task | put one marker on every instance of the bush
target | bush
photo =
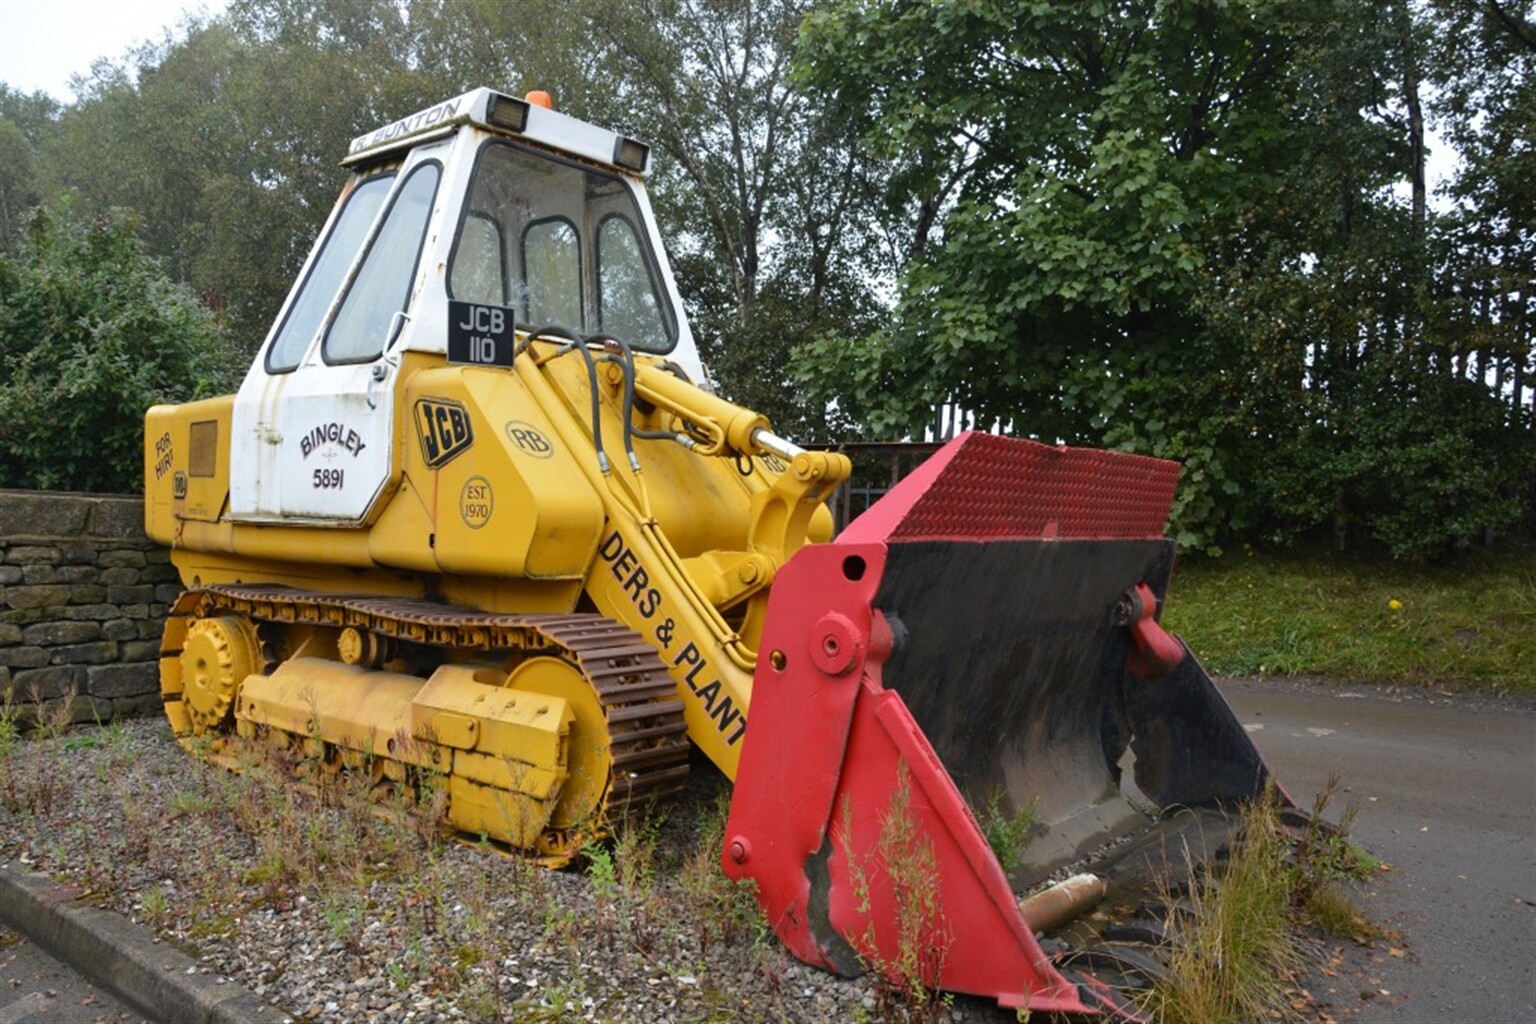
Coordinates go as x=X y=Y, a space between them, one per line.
x=92 y=333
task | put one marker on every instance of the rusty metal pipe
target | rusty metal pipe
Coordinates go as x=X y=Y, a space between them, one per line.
x=1054 y=907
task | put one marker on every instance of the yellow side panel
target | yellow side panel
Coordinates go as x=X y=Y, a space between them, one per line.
x=506 y=498
x=508 y=724
x=402 y=536
x=186 y=464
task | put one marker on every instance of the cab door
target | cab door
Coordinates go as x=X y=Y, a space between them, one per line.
x=313 y=422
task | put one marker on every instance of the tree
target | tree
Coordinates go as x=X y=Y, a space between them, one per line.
x=92 y=333
x=1484 y=68
x=1168 y=228
x=766 y=204
x=1067 y=172
x=24 y=122
x=227 y=138
x=227 y=141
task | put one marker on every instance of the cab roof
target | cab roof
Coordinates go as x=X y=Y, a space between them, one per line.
x=505 y=114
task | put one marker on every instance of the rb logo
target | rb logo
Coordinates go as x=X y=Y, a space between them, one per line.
x=528 y=440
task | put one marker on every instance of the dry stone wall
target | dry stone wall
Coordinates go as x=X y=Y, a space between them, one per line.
x=83 y=598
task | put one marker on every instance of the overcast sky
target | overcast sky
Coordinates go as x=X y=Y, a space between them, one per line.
x=43 y=42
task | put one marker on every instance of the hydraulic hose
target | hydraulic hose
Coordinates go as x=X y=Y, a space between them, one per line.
x=575 y=342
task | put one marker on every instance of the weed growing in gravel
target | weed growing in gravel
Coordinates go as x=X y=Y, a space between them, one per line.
x=1331 y=909
x=31 y=785
x=251 y=869
x=1233 y=950
x=343 y=910
x=10 y=735
x=721 y=908
x=905 y=990
x=51 y=718
x=153 y=902
x=421 y=898
x=119 y=753
x=1008 y=834
x=1233 y=954
x=634 y=851
x=186 y=801
x=1325 y=852
x=562 y=928
x=482 y=929
x=1325 y=857
x=563 y=1002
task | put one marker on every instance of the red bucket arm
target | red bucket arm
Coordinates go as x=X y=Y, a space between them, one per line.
x=829 y=749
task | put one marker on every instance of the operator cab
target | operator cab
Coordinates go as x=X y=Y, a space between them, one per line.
x=531 y=216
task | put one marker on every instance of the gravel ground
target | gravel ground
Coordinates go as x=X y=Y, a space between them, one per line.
x=334 y=913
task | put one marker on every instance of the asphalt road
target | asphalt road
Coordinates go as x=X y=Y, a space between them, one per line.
x=37 y=989
x=1446 y=791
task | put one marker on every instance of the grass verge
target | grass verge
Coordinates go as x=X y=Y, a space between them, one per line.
x=1471 y=623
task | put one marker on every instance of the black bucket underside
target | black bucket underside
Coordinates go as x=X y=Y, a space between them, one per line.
x=1009 y=658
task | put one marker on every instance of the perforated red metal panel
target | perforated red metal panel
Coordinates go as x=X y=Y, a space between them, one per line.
x=985 y=487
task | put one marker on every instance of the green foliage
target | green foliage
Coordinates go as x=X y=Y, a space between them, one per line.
x=24 y=122
x=769 y=205
x=1325 y=853
x=1433 y=463
x=92 y=333
x=1170 y=229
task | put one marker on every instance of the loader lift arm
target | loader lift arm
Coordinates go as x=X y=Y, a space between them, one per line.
x=705 y=611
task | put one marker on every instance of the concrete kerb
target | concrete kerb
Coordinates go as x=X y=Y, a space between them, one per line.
x=160 y=981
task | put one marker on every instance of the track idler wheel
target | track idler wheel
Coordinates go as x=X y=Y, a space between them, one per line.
x=216 y=656
x=590 y=763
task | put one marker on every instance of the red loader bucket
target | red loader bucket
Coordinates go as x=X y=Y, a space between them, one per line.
x=983 y=637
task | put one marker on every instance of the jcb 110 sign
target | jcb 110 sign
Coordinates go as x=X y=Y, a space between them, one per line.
x=480 y=335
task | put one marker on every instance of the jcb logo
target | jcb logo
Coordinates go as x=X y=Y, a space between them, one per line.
x=443 y=427
x=528 y=440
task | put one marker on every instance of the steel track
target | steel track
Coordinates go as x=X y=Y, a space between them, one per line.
x=648 y=736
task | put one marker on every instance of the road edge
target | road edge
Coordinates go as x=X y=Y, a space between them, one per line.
x=157 y=979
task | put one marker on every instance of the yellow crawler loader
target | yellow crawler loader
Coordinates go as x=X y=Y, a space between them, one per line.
x=475 y=524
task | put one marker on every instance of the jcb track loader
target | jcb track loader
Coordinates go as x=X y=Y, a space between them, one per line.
x=474 y=524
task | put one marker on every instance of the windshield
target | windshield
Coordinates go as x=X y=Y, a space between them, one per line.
x=560 y=244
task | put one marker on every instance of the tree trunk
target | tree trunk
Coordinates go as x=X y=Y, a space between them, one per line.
x=1415 y=124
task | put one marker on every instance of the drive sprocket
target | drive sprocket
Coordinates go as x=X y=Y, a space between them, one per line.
x=218 y=652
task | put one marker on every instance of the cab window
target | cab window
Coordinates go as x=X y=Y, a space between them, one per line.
x=480 y=277
x=627 y=303
x=383 y=283
x=319 y=288
x=552 y=261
